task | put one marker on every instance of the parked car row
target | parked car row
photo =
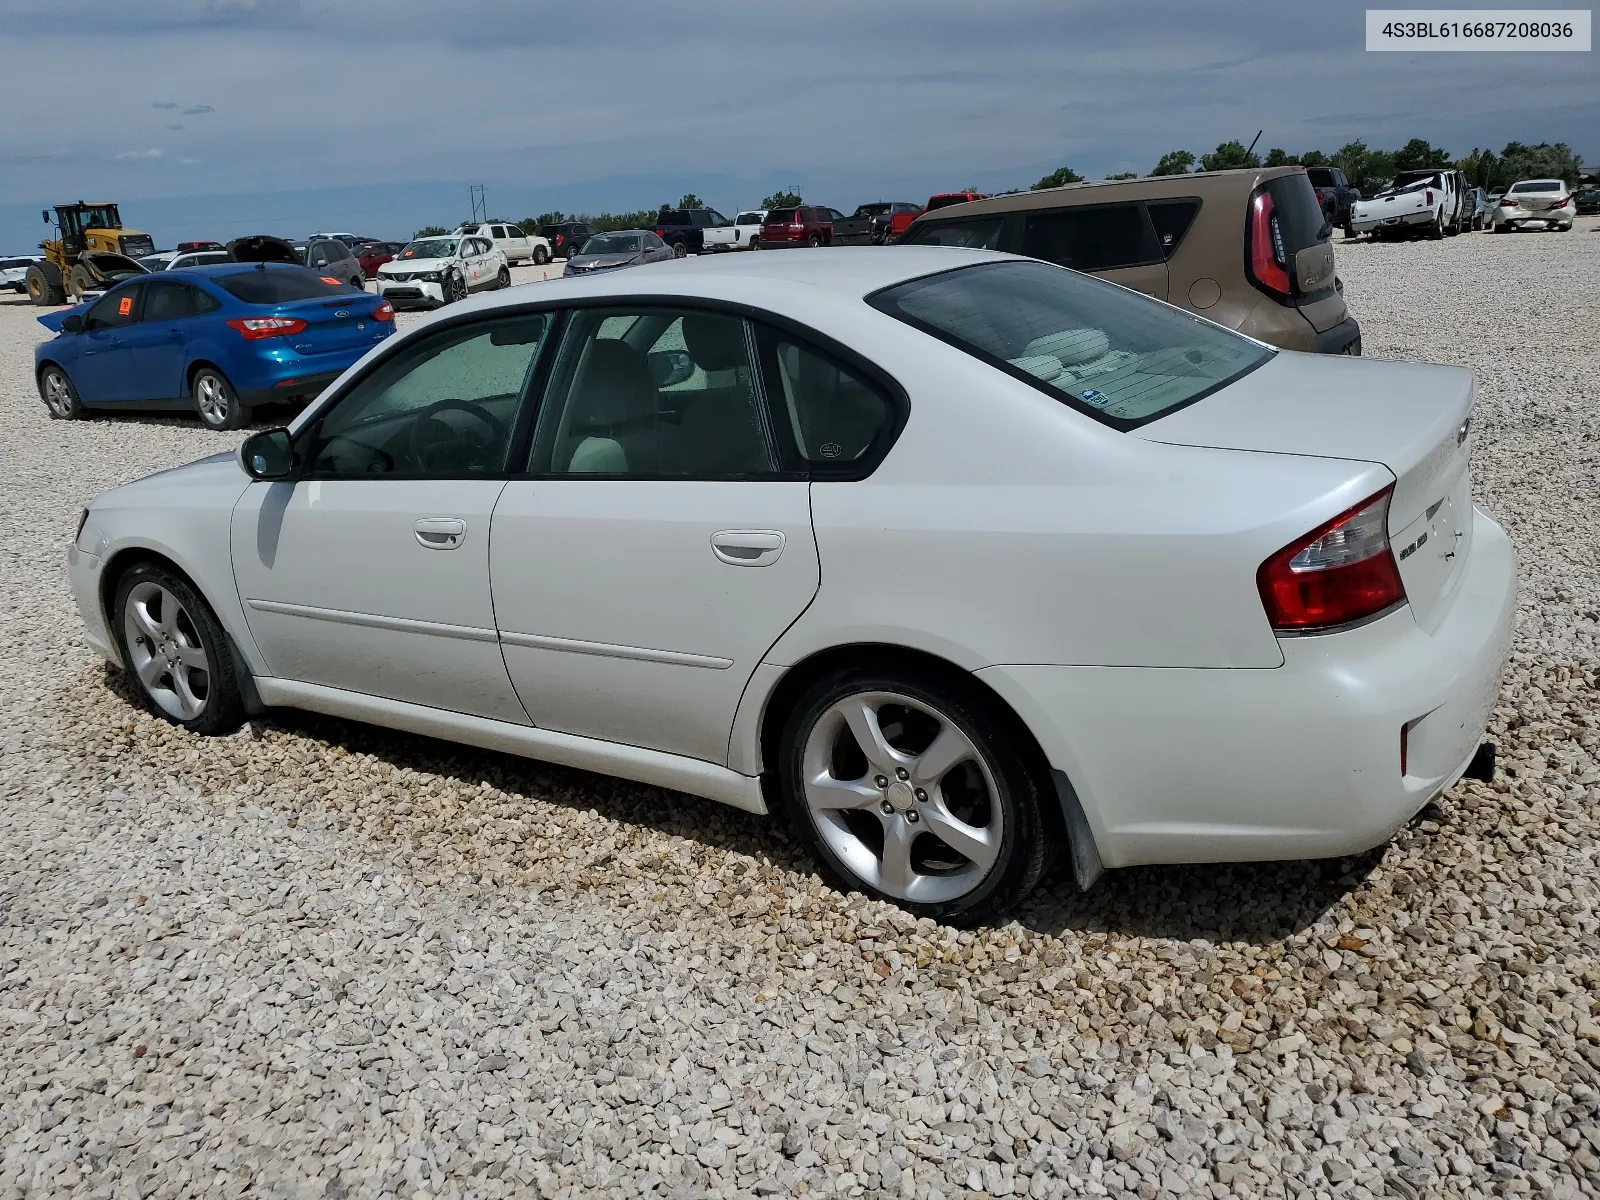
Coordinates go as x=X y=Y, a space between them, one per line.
x=1442 y=203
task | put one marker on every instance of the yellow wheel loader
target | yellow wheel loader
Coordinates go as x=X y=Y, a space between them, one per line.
x=91 y=251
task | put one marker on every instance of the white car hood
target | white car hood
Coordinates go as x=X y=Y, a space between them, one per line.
x=409 y=265
x=217 y=475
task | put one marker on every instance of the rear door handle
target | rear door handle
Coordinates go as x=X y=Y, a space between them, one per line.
x=440 y=533
x=747 y=547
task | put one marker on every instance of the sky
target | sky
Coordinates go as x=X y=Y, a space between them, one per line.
x=215 y=118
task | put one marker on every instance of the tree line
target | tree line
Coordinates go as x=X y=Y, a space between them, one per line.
x=1372 y=170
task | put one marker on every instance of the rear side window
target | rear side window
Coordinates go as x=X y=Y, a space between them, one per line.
x=169 y=300
x=837 y=418
x=281 y=285
x=983 y=233
x=1172 y=219
x=1115 y=355
x=1103 y=238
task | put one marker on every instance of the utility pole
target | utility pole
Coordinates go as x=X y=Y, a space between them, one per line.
x=480 y=203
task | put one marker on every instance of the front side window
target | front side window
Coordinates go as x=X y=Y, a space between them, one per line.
x=442 y=407
x=1102 y=238
x=982 y=233
x=654 y=393
x=115 y=309
x=836 y=417
x=1118 y=356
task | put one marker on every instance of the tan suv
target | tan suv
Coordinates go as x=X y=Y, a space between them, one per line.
x=1250 y=250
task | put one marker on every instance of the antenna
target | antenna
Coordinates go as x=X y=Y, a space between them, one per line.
x=479 y=202
x=1253 y=141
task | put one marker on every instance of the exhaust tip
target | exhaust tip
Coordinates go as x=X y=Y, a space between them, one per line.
x=1481 y=767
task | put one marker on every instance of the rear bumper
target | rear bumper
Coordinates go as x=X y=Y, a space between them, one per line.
x=1298 y=761
x=1402 y=221
x=1343 y=338
x=291 y=389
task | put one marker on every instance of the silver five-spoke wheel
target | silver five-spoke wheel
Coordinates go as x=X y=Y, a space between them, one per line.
x=166 y=651
x=211 y=399
x=902 y=797
x=57 y=395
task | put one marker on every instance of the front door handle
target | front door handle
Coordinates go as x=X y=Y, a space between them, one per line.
x=440 y=533
x=747 y=547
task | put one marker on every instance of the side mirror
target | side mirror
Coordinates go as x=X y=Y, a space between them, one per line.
x=47 y=216
x=321 y=262
x=72 y=324
x=268 y=454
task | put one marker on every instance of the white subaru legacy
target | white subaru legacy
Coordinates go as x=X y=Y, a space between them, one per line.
x=962 y=561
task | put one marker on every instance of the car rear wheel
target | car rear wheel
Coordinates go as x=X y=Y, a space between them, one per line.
x=909 y=786
x=680 y=250
x=814 y=240
x=175 y=649
x=1436 y=228
x=215 y=401
x=59 y=396
x=503 y=280
x=540 y=256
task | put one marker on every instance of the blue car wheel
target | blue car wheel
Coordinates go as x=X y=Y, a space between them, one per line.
x=216 y=402
x=59 y=396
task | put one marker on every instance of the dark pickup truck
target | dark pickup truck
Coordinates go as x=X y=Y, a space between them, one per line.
x=1335 y=194
x=856 y=230
x=684 y=228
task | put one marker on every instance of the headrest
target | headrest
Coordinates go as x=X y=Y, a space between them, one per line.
x=615 y=385
x=716 y=343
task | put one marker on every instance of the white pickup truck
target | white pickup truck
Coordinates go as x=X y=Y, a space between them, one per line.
x=1416 y=202
x=743 y=234
x=510 y=240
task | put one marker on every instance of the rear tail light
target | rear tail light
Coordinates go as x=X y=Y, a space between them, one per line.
x=254 y=329
x=1338 y=573
x=384 y=312
x=1508 y=202
x=1429 y=200
x=1562 y=203
x=1269 y=263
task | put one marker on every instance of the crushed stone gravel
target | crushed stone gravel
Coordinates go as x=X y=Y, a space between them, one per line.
x=321 y=959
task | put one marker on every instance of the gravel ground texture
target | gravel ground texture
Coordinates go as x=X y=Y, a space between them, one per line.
x=321 y=959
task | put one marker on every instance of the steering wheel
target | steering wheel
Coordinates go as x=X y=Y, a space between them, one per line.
x=421 y=447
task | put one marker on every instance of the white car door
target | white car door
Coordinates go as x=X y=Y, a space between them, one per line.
x=483 y=263
x=656 y=548
x=370 y=572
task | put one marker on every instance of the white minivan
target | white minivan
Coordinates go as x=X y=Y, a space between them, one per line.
x=510 y=240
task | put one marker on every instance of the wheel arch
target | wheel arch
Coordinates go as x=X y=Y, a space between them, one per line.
x=195 y=367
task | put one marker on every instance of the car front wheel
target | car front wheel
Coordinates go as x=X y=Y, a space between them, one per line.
x=215 y=401
x=911 y=787
x=455 y=288
x=175 y=649
x=59 y=396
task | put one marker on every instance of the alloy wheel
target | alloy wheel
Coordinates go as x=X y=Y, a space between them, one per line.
x=166 y=651
x=57 y=397
x=902 y=797
x=211 y=399
x=458 y=288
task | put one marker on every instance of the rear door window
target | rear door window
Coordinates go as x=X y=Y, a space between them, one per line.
x=1171 y=219
x=169 y=300
x=981 y=233
x=840 y=421
x=1096 y=347
x=1101 y=238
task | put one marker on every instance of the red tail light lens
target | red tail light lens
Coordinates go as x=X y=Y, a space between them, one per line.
x=1508 y=202
x=1269 y=263
x=1562 y=203
x=1429 y=201
x=254 y=329
x=384 y=312
x=1338 y=573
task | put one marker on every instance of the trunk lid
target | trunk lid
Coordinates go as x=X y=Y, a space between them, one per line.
x=1411 y=417
x=334 y=323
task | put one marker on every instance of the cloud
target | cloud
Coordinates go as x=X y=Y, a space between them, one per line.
x=127 y=155
x=197 y=110
x=164 y=104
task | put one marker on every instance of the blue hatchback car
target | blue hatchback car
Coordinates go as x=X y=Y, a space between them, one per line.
x=219 y=339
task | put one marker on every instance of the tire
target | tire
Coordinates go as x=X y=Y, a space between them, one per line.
x=503 y=280
x=755 y=243
x=456 y=289
x=43 y=285
x=680 y=250
x=814 y=240
x=174 y=649
x=216 y=402
x=1436 y=229
x=985 y=775
x=540 y=256
x=79 y=281
x=1349 y=232
x=59 y=396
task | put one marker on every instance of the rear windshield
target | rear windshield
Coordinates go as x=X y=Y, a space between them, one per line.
x=980 y=234
x=782 y=216
x=1320 y=177
x=946 y=201
x=749 y=218
x=283 y=285
x=1300 y=217
x=1116 y=355
x=1538 y=185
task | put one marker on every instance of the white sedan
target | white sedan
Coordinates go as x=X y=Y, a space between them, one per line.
x=961 y=560
x=1547 y=203
x=434 y=271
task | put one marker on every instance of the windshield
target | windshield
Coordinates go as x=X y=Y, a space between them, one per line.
x=613 y=243
x=1108 y=352
x=1538 y=185
x=431 y=248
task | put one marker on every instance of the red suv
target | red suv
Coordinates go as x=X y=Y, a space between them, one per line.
x=808 y=225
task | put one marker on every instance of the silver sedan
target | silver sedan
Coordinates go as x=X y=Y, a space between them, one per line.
x=624 y=248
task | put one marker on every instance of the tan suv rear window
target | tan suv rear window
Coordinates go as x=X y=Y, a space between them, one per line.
x=1120 y=357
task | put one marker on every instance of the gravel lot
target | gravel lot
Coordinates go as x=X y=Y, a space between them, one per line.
x=321 y=959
